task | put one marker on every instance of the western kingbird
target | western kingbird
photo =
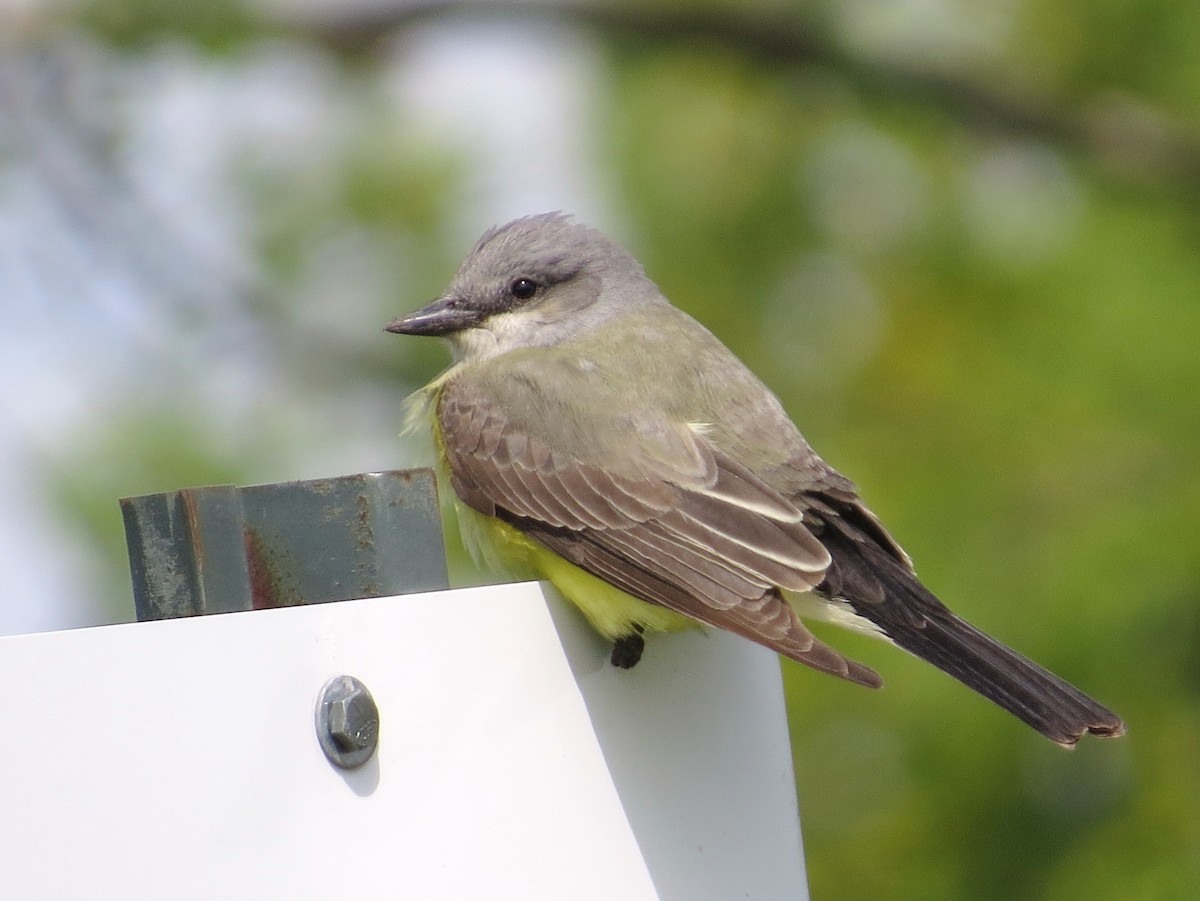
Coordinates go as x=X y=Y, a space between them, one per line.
x=600 y=438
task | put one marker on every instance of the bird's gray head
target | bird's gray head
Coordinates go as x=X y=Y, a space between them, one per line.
x=535 y=281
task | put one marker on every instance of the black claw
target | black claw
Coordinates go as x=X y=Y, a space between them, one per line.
x=627 y=650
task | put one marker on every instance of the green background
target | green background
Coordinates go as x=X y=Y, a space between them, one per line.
x=968 y=261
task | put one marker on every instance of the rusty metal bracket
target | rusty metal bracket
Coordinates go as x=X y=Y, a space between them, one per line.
x=223 y=548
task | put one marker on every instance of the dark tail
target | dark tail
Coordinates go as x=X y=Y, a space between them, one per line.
x=883 y=589
x=1054 y=707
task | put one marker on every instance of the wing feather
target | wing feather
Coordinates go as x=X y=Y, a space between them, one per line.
x=707 y=538
x=720 y=586
x=685 y=528
x=767 y=619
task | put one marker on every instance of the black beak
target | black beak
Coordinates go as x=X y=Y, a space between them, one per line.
x=443 y=316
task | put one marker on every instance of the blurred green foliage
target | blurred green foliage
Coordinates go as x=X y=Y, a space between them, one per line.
x=995 y=333
x=1027 y=425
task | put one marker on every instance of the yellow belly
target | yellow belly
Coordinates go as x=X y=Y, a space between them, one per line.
x=611 y=611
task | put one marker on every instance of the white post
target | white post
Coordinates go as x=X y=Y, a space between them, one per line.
x=178 y=759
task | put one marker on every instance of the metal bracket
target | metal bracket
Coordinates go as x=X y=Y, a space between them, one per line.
x=223 y=548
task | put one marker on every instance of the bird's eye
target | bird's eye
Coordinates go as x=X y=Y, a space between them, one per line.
x=523 y=288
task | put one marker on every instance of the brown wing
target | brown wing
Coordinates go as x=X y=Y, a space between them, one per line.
x=705 y=538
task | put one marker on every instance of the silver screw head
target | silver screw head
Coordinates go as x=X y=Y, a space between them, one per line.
x=347 y=722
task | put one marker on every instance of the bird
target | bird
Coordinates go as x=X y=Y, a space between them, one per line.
x=596 y=436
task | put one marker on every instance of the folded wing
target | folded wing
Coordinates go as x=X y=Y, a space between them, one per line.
x=669 y=520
